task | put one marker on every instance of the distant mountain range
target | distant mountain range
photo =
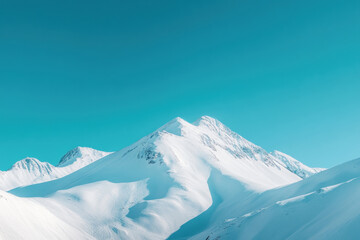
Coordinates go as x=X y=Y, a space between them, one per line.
x=30 y=170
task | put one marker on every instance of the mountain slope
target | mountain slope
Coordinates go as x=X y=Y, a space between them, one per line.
x=143 y=187
x=30 y=170
x=295 y=166
x=27 y=219
x=323 y=206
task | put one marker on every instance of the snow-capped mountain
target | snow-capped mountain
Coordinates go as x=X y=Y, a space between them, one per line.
x=163 y=175
x=25 y=172
x=30 y=170
x=200 y=181
x=295 y=166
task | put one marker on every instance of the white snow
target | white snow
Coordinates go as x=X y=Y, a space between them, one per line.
x=30 y=170
x=190 y=181
x=22 y=218
x=323 y=206
x=295 y=166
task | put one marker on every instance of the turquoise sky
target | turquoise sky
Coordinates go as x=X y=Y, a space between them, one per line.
x=283 y=74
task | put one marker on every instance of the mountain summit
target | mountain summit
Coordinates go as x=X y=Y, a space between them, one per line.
x=81 y=156
x=31 y=165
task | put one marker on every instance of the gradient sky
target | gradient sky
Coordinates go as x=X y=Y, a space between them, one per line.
x=283 y=74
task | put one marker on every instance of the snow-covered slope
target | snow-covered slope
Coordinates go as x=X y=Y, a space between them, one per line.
x=30 y=170
x=169 y=173
x=295 y=166
x=323 y=206
x=22 y=218
x=199 y=181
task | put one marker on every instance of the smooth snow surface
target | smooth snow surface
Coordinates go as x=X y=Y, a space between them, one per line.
x=323 y=206
x=22 y=218
x=199 y=181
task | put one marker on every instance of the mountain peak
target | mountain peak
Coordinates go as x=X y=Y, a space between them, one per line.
x=29 y=163
x=207 y=120
x=175 y=126
x=29 y=159
x=211 y=123
x=217 y=127
x=81 y=155
x=73 y=153
x=178 y=121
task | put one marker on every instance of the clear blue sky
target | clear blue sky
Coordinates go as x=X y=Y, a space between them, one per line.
x=283 y=74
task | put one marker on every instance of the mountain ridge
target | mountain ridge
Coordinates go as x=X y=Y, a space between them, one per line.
x=296 y=166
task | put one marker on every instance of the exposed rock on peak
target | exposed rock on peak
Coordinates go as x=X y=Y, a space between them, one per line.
x=82 y=156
